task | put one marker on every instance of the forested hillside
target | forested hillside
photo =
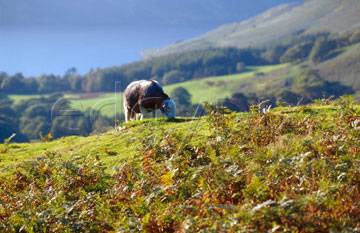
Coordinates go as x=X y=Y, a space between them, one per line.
x=35 y=118
x=180 y=67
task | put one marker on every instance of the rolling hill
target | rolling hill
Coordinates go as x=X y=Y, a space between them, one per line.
x=287 y=169
x=275 y=25
x=345 y=68
x=201 y=90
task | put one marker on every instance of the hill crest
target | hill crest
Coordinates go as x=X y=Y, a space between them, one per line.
x=274 y=25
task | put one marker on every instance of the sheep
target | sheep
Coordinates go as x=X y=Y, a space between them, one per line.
x=145 y=96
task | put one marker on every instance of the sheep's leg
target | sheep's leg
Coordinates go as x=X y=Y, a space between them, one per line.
x=154 y=114
x=133 y=115
x=127 y=115
x=143 y=111
x=127 y=111
x=139 y=116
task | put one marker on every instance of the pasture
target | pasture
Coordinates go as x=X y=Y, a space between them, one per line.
x=206 y=89
x=212 y=88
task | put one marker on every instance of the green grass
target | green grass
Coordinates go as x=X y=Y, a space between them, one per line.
x=18 y=98
x=107 y=103
x=124 y=143
x=207 y=89
x=289 y=170
x=212 y=88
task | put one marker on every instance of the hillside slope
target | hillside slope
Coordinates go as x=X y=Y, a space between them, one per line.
x=344 y=68
x=275 y=25
x=290 y=169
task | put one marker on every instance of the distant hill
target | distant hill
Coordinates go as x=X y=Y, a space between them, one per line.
x=344 y=68
x=275 y=25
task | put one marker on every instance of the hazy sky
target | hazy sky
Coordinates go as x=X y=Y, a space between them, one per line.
x=129 y=12
x=49 y=36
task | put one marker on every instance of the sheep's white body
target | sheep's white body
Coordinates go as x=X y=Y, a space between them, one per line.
x=147 y=96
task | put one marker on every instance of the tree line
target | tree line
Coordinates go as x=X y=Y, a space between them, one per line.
x=180 y=67
x=34 y=117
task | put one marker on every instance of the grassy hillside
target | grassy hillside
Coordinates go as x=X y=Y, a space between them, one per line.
x=262 y=80
x=345 y=68
x=207 y=89
x=275 y=25
x=103 y=102
x=107 y=103
x=290 y=169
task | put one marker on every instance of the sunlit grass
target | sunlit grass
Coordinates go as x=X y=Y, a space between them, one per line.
x=252 y=171
x=212 y=88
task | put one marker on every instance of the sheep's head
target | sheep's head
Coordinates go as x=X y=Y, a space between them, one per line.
x=168 y=108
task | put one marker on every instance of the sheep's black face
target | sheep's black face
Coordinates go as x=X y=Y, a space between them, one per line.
x=165 y=108
x=168 y=108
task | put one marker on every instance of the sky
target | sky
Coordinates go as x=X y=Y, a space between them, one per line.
x=50 y=36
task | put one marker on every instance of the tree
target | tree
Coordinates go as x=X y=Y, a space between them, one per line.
x=75 y=82
x=354 y=38
x=322 y=49
x=240 y=67
x=7 y=126
x=70 y=72
x=32 y=127
x=172 y=77
x=272 y=55
x=47 y=83
x=289 y=97
x=309 y=85
x=238 y=102
x=183 y=102
x=30 y=85
x=297 y=53
x=182 y=96
x=13 y=84
x=3 y=75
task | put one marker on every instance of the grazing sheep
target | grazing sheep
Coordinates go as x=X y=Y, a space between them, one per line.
x=146 y=96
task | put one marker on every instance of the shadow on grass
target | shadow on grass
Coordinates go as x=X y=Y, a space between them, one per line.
x=3 y=96
x=181 y=120
x=333 y=54
x=160 y=121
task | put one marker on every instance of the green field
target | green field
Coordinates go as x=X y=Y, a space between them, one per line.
x=207 y=89
x=107 y=103
x=18 y=98
x=287 y=170
x=212 y=88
